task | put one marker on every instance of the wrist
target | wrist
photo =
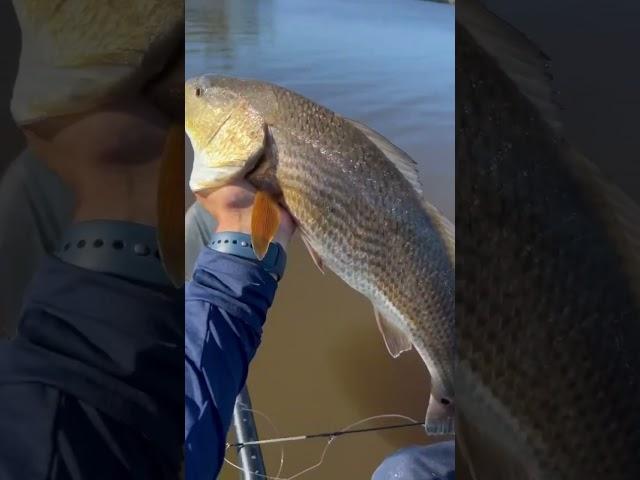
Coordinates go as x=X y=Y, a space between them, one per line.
x=233 y=223
x=239 y=245
x=129 y=198
x=241 y=223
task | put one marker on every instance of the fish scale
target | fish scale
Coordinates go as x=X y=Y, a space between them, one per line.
x=370 y=255
x=356 y=210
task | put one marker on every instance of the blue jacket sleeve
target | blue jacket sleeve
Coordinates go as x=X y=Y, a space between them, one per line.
x=225 y=307
x=435 y=461
x=92 y=386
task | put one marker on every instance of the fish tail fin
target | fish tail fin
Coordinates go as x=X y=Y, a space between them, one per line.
x=440 y=418
x=265 y=220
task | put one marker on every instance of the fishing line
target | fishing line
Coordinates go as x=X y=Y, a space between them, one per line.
x=275 y=429
x=349 y=429
x=338 y=433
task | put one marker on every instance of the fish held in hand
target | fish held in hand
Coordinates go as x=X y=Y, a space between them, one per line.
x=356 y=199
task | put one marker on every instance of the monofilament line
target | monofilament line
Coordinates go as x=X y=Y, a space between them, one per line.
x=331 y=437
x=325 y=435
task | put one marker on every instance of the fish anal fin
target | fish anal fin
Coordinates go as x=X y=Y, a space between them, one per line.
x=400 y=159
x=314 y=255
x=395 y=339
x=265 y=220
x=171 y=205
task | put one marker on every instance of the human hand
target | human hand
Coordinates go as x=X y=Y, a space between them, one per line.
x=110 y=157
x=232 y=205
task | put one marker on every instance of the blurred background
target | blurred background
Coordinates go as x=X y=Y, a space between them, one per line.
x=592 y=46
x=323 y=364
x=11 y=139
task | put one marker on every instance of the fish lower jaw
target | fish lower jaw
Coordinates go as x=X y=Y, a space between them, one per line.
x=204 y=178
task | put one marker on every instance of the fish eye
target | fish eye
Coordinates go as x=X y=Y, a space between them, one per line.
x=445 y=401
x=198 y=92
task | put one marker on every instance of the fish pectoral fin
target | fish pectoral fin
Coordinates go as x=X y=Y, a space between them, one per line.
x=171 y=205
x=265 y=220
x=314 y=255
x=395 y=339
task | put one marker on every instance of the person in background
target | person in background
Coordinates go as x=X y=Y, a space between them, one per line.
x=35 y=209
x=91 y=386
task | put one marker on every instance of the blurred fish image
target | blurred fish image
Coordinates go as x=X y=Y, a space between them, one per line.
x=547 y=316
x=358 y=203
x=79 y=54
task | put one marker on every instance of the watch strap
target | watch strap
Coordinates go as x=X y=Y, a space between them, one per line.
x=126 y=249
x=239 y=245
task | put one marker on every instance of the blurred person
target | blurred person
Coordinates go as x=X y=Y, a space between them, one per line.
x=35 y=209
x=91 y=384
x=72 y=57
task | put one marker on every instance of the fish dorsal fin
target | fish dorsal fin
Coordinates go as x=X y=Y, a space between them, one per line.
x=522 y=61
x=395 y=339
x=401 y=159
x=445 y=228
x=620 y=212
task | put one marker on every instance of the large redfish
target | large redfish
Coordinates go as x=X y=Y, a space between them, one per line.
x=357 y=201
